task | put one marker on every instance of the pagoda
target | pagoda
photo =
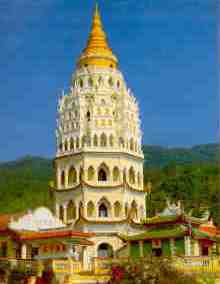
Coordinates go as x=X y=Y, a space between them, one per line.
x=99 y=160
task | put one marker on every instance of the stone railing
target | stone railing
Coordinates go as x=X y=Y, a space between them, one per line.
x=197 y=264
x=67 y=266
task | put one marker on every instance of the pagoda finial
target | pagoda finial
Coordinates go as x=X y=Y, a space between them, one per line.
x=97 y=51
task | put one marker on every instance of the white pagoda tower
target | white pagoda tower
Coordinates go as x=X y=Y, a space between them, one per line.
x=99 y=159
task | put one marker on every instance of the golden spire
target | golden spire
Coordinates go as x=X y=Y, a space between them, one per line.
x=97 y=51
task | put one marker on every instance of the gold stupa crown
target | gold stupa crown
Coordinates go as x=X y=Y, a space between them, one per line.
x=97 y=51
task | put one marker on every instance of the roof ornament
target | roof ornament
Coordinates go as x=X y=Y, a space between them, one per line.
x=172 y=209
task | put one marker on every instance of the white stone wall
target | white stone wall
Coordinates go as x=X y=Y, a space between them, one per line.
x=98 y=128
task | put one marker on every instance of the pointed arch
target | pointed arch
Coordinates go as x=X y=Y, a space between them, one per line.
x=61 y=213
x=95 y=140
x=103 y=173
x=71 y=211
x=104 y=207
x=105 y=251
x=72 y=176
x=116 y=174
x=91 y=173
x=103 y=140
x=62 y=178
x=117 y=209
x=83 y=141
x=135 y=147
x=132 y=144
x=121 y=142
x=61 y=147
x=134 y=211
x=81 y=175
x=88 y=116
x=131 y=176
x=71 y=143
x=90 y=209
x=111 y=140
x=77 y=142
x=89 y=141
x=66 y=145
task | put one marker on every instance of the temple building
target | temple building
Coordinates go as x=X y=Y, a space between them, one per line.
x=99 y=159
x=172 y=233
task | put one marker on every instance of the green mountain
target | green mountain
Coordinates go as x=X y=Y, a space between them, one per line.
x=157 y=156
x=189 y=174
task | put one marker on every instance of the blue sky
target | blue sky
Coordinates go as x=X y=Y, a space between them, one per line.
x=167 y=52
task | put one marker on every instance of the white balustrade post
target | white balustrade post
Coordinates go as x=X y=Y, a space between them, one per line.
x=24 y=251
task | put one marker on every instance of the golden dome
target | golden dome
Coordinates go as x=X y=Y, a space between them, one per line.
x=97 y=51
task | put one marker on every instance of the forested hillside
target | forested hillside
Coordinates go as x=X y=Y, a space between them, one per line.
x=191 y=175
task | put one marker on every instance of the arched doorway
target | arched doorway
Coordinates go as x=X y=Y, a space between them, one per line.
x=105 y=250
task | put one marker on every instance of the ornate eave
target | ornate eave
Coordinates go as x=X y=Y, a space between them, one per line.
x=83 y=184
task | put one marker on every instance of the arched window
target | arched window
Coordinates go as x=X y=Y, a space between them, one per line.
x=126 y=209
x=61 y=213
x=105 y=250
x=88 y=116
x=135 y=147
x=134 y=212
x=111 y=140
x=81 y=83
x=62 y=178
x=71 y=211
x=90 y=209
x=131 y=176
x=121 y=142
x=110 y=81
x=103 y=210
x=71 y=143
x=95 y=141
x=131 y=144
x=72 y=176
x=66 y=145
x=81 y=175
x=116 y=174
x=88 y=141
x=102 y=175
x=117 y=209
x=103 y=141
x=60 y=147
x=91 y=173
x=118 y=84
x=77 y=142
x=84 y=141
x=81 y=210
x=90 y=82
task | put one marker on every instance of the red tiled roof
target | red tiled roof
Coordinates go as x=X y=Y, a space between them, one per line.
x=52 y=234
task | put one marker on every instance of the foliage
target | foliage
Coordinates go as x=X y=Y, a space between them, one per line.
x=24 y=184
x=157 y=156
x=149 y=271
x=196 y=185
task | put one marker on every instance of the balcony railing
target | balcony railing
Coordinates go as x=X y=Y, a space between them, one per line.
x=19 y=264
